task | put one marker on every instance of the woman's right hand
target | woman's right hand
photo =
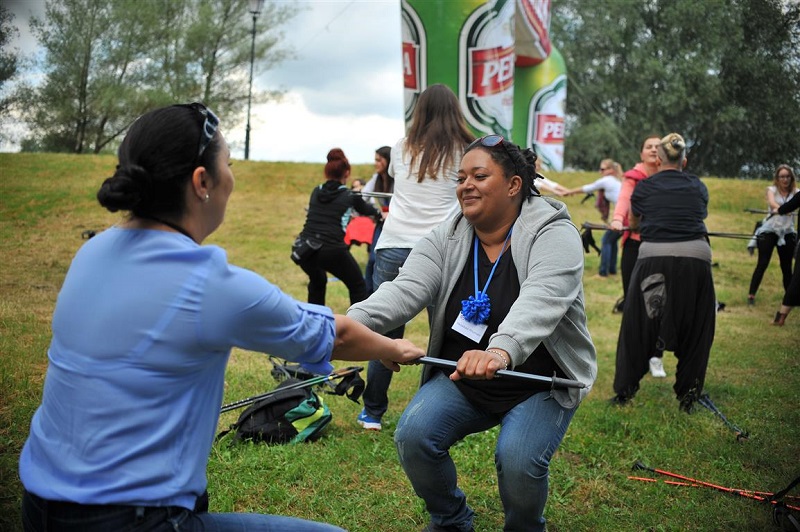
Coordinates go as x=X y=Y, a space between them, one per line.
x=616 y=225
x=405 y=353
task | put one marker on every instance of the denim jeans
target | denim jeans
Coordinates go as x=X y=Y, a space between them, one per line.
x=369 y=271
x=40 y=515
x=608 y=252
x=439 y=416
x=376 y=400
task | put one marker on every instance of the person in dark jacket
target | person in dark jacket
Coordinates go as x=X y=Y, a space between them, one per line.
x=671 y=304
x=329 y=211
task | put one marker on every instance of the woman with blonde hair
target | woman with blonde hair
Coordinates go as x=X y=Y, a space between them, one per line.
x=424 y=165
x=776 y=231
x=607 y=188
x=671 y=301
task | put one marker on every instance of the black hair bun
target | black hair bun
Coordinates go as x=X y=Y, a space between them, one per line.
x=126 y=189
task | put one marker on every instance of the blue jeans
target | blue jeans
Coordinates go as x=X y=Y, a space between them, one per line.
x=376 y=400
x=439 y=416
x=369 y=271
x=608 y=252
x=40 y=515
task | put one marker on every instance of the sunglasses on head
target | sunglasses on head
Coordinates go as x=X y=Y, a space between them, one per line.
x=210 y=125
x=490 y=141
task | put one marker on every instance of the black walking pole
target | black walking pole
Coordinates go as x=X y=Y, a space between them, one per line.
x=555 y=382
x=590 y=225
x=706 y=401
x=303 y=384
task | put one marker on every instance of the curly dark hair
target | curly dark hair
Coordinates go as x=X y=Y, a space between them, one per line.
x=514 y=160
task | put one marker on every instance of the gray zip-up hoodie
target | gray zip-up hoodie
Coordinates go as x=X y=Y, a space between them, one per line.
x=548 y=254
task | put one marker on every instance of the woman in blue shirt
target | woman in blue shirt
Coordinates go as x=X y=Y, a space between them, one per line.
x=142 y=331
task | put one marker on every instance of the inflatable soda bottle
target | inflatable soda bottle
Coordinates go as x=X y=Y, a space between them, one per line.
x=469 y=46
x=540 y=98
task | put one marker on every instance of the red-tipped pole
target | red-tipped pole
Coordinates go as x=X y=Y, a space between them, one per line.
x=639 y=466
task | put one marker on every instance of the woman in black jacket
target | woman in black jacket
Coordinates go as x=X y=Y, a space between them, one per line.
x=329 y=211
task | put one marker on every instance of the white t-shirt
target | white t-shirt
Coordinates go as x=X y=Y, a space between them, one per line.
x=609 y=184
x=417 y=207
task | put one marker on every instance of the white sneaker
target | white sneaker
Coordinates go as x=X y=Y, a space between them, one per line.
x=657 y=367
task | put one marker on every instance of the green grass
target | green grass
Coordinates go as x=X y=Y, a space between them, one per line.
x=352 y=478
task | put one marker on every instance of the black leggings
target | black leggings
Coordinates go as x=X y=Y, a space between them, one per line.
x=766 y=243
x=338 y=261
x=792 y=296
x=630 y=252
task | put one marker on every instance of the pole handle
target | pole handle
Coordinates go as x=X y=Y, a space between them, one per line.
x=555 y=382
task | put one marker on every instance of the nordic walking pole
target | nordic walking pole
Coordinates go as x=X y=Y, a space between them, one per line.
x=705 y=400
x=638 y=465
x=757 y=211
x=375 y=194
x=693 y=485
x=304 y=384
x=603 y=227
x=555 y=382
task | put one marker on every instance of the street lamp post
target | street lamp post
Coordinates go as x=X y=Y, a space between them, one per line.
x=255 y=10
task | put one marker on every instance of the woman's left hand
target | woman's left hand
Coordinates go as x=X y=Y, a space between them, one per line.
x=480 y=365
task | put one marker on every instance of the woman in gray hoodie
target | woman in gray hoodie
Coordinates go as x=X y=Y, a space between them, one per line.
x=503 y=281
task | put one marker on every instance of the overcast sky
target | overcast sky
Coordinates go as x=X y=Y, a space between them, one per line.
x=345 y=89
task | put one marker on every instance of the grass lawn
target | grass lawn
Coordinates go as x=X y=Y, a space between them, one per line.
x=352 y=478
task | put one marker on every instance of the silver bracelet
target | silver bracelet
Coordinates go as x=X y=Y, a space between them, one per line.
x=501 y=355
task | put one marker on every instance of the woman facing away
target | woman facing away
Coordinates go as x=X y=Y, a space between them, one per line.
x=424 y=165
x=502 y=281
x=631 y=239
x=142 y=331
x=672 y=303
x=329 y=211
x=776 y=231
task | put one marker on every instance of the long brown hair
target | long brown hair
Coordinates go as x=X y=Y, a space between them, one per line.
x=438 y=131
x=792 y=181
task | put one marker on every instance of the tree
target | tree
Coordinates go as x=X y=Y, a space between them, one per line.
x=108 y=61
x=704 y=69
x=9 y=64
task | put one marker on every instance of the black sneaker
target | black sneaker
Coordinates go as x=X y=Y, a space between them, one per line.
x=619 y=400
x=687 y=404
x=438 y=528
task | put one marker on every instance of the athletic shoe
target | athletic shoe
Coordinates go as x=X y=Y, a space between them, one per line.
x=368 y=422
x=751 y=301
x=437 y=528
x=687 y=404
x=619 y=400
x=657 y=368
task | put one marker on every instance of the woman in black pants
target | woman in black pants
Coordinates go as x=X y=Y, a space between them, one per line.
x=777 y=231
x=329 y=211
x=792 y=296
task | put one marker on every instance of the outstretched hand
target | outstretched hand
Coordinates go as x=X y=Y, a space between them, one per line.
x=479 y=365
x=405 y=353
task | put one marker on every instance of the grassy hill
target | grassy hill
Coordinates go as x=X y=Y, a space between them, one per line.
x=352 y=478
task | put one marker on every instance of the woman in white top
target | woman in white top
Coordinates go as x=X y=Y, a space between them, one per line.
x=424 y=165
x=776 y=231
x=609 y=185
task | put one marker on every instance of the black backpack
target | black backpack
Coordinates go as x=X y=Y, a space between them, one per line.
x=293 y=414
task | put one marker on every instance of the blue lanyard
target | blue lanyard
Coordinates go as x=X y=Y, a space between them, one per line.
x=476 y=308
